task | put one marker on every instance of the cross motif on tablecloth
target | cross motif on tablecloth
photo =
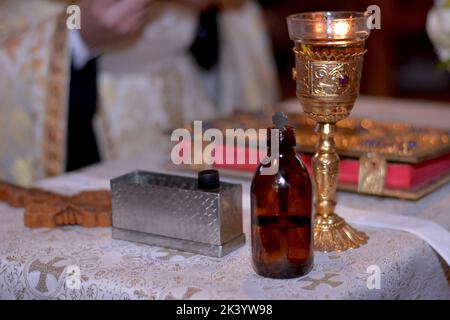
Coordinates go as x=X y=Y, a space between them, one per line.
x=44 y=270
x=324 y=280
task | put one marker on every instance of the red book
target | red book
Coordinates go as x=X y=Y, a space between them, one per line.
x=417 y=159
x=403 y=176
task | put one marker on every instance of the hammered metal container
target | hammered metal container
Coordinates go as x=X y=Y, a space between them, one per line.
x=170 y=211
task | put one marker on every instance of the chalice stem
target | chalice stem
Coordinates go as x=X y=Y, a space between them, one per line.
x=326 y=170
x=331 y=232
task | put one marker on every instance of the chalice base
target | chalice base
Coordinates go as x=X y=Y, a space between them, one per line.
x=334 y=234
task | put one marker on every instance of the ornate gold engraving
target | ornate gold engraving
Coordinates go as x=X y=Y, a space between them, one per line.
x=372 y=174
x=325 y=78
x=328 y=75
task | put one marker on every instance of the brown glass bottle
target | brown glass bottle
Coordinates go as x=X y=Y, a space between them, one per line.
x=281 y=208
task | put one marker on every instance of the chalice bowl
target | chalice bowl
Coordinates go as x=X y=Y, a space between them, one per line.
x=329 y=49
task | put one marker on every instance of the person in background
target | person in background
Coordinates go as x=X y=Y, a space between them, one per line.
x=438 y=29
x=137 y=69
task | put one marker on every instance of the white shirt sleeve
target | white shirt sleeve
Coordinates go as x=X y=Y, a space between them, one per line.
x=80 y=52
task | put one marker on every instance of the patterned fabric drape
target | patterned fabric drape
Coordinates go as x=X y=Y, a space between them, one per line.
x=147 y=87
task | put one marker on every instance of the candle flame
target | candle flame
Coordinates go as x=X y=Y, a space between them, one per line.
x=341 y=28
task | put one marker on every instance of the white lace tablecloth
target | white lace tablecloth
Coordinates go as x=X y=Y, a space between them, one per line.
x=33 y=262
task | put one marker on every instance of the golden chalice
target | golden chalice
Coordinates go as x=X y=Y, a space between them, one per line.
x=329 y=50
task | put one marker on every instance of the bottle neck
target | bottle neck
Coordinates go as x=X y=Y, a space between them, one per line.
x=285 y=136
x=283 y=150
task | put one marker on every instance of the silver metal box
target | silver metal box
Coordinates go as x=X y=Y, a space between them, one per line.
x=170 y=211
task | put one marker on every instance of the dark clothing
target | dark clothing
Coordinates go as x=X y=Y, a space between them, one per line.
x=81 y=143
x=205 y=47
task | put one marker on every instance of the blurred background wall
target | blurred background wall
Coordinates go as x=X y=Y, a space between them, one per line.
x=400 y=62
